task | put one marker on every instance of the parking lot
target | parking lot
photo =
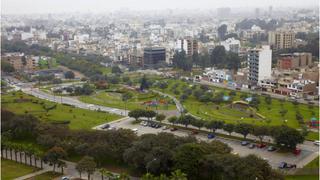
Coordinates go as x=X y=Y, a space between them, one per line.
x=274 y=158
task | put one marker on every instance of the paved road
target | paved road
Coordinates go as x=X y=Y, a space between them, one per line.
x=309 y=151
x=176 y=101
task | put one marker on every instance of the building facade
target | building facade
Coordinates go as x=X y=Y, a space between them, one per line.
x=154 y=55
x=190 y=46
x=259 y=64
x=281 y=39
x=294 y=60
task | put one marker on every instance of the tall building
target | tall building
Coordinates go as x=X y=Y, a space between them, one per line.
x=190 y=46
x=281 y=39
x=259 y=64
x=19 y=61
x=295 y=60
x=154 y=55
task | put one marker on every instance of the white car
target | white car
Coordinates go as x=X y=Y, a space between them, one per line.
x=317 y=143
x=135 y=130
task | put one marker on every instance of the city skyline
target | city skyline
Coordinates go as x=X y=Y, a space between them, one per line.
x=59 y=6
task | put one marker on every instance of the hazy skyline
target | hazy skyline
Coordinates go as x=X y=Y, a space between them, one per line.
x=59 y=6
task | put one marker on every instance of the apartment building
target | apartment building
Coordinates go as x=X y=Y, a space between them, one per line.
x=281 y=39
x=294 y=60
x=20 y=62
x=259 y=64
x=190 y=46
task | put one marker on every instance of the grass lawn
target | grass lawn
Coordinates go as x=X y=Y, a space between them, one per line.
x=302 y=177
x=79 y=118
x=114 y=99
x=46 y=176
x=313 y=164
x=229 y=115
x=11 y=169
x=312 y=136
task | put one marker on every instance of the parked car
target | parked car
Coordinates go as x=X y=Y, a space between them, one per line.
x=244 y=143
x=211 y=136
x=165 y=127
x=157 y=126
x=194 y=132
x=173 y=129
x=317 y=143
x=251 y=146
x=65 y=178
x=284 y=165
x=271 y=148
x=105 y=126
x=135 y=130
x=261 y=145
x=297 y=151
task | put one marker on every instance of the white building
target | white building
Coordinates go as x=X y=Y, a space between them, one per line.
x=231 y=44
x=259 y=64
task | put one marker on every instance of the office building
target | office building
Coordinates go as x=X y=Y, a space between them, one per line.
x=281 y=39
x=154 y=55
x=190 y=46
x=259 y=64
x=294 y=60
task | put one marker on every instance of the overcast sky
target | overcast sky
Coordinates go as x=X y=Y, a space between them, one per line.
x=54 y=6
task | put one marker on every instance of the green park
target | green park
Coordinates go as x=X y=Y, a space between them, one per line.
x=47 y=111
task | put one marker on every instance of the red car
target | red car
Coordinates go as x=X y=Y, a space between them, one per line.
x=297 y=151
x=261 y=145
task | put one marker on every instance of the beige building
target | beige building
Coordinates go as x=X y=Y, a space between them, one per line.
x=19 y=61
x=294 y=60
x=281 y=39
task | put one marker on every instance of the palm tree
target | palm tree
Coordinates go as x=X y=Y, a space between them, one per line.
x=178 y=175
x=62 y=164
x=102 y=172
x=9 y=145
x=124 y=176
x=109 y=174
x=38 y=155
x=4 y=148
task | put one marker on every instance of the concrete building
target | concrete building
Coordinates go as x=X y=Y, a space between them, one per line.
x=294 y=60
x=281 y=39
x=20 y=62
x=231 y=44
x=259 y=64
x=190 y=46
x=154 y=55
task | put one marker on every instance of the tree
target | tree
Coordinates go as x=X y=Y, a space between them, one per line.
x=173 y=119
x=69 y=75
x=144 y=83
x=149 y=114
x=187 y=157
x=178 y=175
x=6 y=67
x=199 y=123
x=218 y=56
x=229 y=128
x=283 y=112
x=286 y=136
x=214 y=125
x=125 y=97
x=160 y=117
x=260 y=132
x=244 y=129
x=116 y=70
x=137 y=113
x=86 y=164
x=54 y=155
x=222 y=30
x=103 y=172
x=268 y=99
